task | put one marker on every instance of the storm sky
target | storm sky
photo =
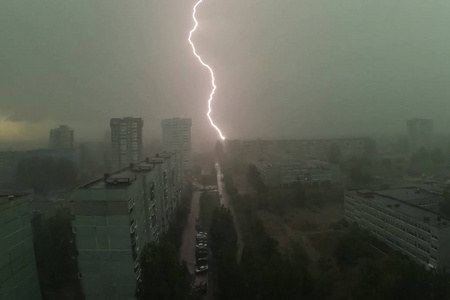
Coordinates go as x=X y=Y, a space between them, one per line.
x=284 y=69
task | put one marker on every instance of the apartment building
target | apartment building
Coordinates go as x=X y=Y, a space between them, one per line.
x=126 y=141
x=61 y=138
x=18 y=274
x=313 y=149
x=406 y=219
x=115 y=216
x=281 y=173
x=176 y=135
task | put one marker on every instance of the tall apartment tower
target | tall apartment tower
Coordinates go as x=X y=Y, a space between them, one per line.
x=126 y=141
x=176 y=133
x=420 y=134
x=18 y=274
x=116 y=216
x=61 y=138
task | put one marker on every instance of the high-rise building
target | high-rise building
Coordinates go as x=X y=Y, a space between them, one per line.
x=61 y=138
x=116 y=215
x=18 y=274
x=176 y=134
x=126 y=141
x=420 y=134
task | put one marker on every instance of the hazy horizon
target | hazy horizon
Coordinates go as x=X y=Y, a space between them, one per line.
x=295 y=69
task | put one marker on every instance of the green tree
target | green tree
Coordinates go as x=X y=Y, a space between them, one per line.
x=163 y=277
x=55 y=251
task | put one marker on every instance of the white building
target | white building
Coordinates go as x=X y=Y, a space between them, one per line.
x=115 y=216
x=406 y=219
x=176 y=134
x=126 y=141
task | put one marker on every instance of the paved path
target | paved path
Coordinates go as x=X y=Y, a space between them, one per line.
x=187 y=250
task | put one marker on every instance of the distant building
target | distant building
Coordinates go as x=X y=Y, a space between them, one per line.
x=176 y=135
x=126 y=141
x=61 y=138
x=406 y=219
x=115 y=216
x=282 y=150
x=18 y=274
x=420 y=134
x=282 y=173
x=9 y=160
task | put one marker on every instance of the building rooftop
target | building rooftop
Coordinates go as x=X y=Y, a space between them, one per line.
x=6 y=198
x=410 y=201
x=123 y=178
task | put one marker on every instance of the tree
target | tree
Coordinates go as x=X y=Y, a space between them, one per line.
x=255 y=180
x=55 y=250
x=163 y=277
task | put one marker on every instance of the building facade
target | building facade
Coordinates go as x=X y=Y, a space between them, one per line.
x=280 y=173
x=406 y=219
x=115 y=216
x=61 y=138
x=176 y=135
x=18 y=274
x=420 y=134
x=282 y=150
x=126 y=141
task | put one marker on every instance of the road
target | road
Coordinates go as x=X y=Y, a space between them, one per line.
x=225 y=201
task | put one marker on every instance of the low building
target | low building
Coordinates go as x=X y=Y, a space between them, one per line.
x=406 y=219
x=280 y=173
x=308 y=149
x=18 y=274
x=115 y=216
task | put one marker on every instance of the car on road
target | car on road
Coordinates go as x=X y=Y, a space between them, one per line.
x=201 y=269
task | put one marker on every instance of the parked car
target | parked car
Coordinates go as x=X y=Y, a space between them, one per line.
x=201 y=269
x=201 y=261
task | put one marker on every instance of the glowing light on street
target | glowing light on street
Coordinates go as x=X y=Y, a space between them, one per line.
x=206 y=66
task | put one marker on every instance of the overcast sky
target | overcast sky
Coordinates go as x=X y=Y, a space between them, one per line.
x=285 y=68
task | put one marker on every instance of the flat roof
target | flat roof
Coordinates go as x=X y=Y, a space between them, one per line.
x=5 y=198
x=123 y=178
x=407 y=201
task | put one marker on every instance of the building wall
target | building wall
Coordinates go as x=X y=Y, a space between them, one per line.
x=319 y=149
x=114 y=222
x=61 y=138
x=18 y=274
x=420 y=240
x=176 y=135
x=126 y=141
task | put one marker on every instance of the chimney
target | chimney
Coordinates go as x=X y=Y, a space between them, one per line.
x=106 y=176
x=147 y=160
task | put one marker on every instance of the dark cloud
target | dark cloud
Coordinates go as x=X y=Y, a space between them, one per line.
x=284 y=68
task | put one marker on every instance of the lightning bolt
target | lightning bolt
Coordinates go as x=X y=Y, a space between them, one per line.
x=213 y=81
